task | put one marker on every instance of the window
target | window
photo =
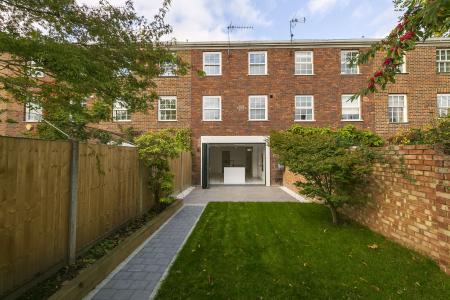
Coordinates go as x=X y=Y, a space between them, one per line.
x=443 y=103
x=397 y=109
x=402 y=68
x=304 y=108
x=346 y=57
x=443 y=60
x=257 y=63
x=351 y=110
x=167 y=109
x=34 y=70
x=212 y=63
x=168 y=69
x=33 y=112
x=212 y=108
x=257 y=108
x=120 y=111
x=303 y=63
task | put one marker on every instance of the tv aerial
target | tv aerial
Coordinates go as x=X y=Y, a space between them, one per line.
x=292 y=23
x=231 y=28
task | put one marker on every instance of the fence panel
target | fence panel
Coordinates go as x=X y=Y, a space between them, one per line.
x=35 y=197
x=34 y=206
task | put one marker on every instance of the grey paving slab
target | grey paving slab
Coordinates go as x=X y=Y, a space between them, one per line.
x=238 y=194
x=140 y=274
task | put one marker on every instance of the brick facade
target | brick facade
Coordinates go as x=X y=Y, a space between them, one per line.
x=412 y=211
x=420 y=84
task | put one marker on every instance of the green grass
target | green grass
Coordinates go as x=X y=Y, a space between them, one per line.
x=292 y=251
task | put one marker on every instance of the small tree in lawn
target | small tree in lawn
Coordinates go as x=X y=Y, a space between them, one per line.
x=156 y=149
x=335 y=164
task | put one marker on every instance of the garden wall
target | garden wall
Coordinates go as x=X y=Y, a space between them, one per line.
x=413 y=210
x=35 y=201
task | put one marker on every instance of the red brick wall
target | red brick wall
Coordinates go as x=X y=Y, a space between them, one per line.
x=414 y=213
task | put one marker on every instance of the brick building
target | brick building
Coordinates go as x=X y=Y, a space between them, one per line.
x=251 y=88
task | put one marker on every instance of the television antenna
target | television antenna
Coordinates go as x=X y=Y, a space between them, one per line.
x=231 y=28
x=292 y=23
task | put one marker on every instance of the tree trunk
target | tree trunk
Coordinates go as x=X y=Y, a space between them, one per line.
x=334 y=214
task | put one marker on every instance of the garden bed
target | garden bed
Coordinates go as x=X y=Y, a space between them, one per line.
x=74 y=282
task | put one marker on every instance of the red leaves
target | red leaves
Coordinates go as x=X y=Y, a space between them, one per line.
x=371 y=83
x=378 y=74
x=407 y=36
x=387 y=62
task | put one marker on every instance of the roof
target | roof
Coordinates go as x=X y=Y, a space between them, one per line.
x=323 y=43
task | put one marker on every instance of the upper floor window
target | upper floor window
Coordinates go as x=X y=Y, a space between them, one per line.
x=34 y=70
x=402 y=68
x=304 y=108
x=212 y=63
x=212 y=108
x=397 y=109
x=120 y=111
x=257 y=63
x=33 y=112
x=257 y=108
x=167 y=108
x=443 y=60
x=168 y=69
x=351 y=110
x=346 y=57
x=304 y=63
x=443 y=103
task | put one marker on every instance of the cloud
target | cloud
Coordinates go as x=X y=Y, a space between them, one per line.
x=384 y=22
x=203 y=20
x=321 y=6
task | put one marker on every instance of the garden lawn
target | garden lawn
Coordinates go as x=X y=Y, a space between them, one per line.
x=291 y=250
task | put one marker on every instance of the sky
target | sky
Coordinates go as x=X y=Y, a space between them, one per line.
x=206 y=20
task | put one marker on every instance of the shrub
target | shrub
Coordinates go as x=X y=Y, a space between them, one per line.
x=155 y=150
x=437 y=133
x=334 y=163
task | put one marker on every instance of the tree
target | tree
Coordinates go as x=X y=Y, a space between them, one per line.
x=421 y=20
x=103 y=53
x=335 y=164
x=155 y=150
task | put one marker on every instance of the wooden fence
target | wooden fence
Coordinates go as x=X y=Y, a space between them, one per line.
x=35 y=201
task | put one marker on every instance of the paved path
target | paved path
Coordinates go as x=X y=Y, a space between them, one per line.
x=139 y=275
x=241 y=194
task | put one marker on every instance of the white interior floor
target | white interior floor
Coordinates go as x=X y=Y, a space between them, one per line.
x=216 y=179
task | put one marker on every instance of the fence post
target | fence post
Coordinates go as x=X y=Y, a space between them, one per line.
x=73 y=202
x=182 y=173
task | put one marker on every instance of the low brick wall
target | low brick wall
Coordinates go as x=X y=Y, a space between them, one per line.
x=413 y=210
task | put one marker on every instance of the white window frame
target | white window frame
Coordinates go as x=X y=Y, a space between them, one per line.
x=250 y=64
x=266 y=108
x=402 y=68
x=303 y=63
x=342 y=108
x=220 y=109
x=33 y=112
x=220 y=63
x=121 y=109
x=169 y=69
x=446 y=61
x=304 y=107
x=405 y=108
x=342 y=62
x=440 y=108
x=166 y=109
x=34 y=70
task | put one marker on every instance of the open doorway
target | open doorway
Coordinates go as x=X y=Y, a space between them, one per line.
x=230 y=164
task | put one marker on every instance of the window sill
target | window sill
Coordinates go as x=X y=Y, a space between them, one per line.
x=305 y=121
x=258 y=120
x=212 y=75
x=29 y=121
x=358 y=120
x=443 y=73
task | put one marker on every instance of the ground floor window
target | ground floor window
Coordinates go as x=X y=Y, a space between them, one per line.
x=397 y=109
x=120 y=111
x=443 y=103
x=257 y=108
x=304 y=108
x=351 y=109
x=212 y=108
x=33 y=112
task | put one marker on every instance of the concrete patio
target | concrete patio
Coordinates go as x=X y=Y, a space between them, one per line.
x=241 y=193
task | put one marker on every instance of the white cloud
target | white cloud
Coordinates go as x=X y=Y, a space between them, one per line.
x=321 y=6
x=202 y=20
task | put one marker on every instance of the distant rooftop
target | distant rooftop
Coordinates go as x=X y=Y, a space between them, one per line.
x=320 y=43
